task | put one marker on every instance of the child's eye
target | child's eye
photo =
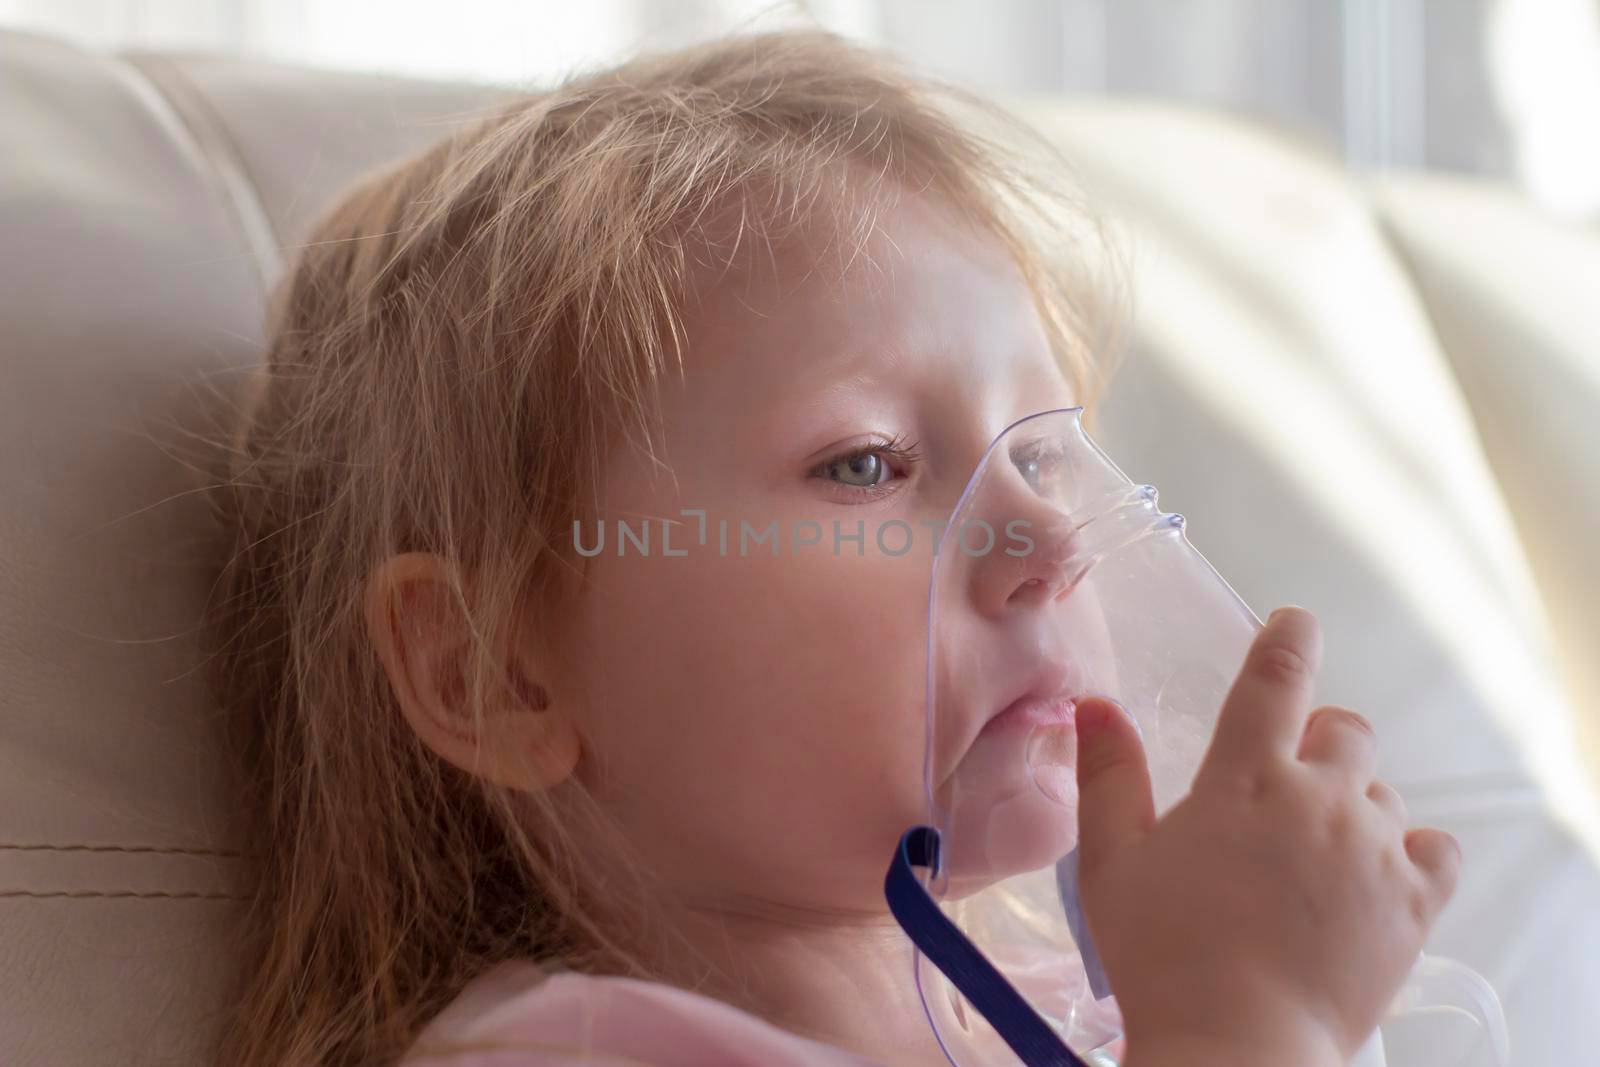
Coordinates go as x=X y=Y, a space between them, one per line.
x=1039 y=463
x=869 y=471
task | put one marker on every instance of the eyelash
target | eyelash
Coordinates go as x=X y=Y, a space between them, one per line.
x=897 y=449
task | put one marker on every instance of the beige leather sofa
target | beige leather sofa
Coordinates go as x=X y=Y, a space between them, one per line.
x=1375 y=401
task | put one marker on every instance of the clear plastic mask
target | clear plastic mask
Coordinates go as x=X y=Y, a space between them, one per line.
x=1058 y=577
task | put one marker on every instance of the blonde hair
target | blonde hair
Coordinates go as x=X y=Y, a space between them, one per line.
x=452 y=354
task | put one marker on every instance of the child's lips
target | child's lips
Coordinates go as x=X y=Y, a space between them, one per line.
x=1029 y=740
x=1046 y=699
x=1029 y=712
x=1033 y=728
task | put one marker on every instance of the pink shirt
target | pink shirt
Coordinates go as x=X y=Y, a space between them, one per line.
x=517 y=1014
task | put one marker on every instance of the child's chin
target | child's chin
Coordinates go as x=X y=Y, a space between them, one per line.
x=1025 y=832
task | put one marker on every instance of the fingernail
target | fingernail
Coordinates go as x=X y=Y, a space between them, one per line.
x=1093 y=715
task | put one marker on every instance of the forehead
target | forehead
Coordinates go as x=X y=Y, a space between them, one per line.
x=925 y=301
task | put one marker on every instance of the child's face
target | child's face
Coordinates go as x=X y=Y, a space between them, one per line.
x=756 y=721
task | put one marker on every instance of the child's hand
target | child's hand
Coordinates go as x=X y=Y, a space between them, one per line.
x=1273 y=913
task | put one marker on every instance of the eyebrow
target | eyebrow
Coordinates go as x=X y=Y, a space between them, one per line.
x=860 y=381
x=848 y=375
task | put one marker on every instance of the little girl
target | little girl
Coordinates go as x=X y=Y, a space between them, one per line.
x=523 y=800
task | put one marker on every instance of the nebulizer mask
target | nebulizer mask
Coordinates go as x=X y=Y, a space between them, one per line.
x=1058 y=577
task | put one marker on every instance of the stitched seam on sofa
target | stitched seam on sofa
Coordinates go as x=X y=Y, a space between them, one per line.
x=160 y=849
x=99 y=894
x=209 y=138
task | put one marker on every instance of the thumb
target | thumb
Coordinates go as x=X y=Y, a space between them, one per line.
x=1115 y=805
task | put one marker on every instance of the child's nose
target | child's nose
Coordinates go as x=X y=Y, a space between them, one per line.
x=1033 y=557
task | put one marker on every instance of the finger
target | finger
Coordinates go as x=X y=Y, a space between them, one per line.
x=1438 y=856
x=1388 y=801
x=1115 y=805
x=1265 y=710
x=1341 y=741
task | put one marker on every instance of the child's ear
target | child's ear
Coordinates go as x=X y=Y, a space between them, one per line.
x=525 y=740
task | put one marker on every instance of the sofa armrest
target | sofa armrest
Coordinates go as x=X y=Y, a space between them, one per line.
x=1515 y=301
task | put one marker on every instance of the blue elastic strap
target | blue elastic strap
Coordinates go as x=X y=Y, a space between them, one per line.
x=939 y=939
x=1067 y=887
